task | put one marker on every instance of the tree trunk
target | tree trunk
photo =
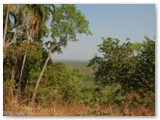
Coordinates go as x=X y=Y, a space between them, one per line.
x=41 y=74
x=39 y=79
x=5 y=28
x=19 y=84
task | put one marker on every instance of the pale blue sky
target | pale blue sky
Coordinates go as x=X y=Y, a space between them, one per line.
x=106 y=20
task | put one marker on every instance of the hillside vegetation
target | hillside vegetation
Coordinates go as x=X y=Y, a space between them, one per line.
x=121 y=82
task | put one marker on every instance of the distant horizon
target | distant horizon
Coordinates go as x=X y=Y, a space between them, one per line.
x=69 y=60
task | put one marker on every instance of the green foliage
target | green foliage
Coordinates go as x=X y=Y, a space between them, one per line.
x=111 y=94
x=145 y=69
x=68 y=21
x=26 y=28
x=122 y=69
x=33 y=64
x=131 y=66
x=148 y=100
x=59 y=83
x=116 y=65
x=66 y=24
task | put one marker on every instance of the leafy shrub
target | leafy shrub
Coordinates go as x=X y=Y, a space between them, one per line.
x=125 y=67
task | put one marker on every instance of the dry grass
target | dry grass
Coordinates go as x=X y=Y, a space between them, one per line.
x=142 y=111
x=71 y=109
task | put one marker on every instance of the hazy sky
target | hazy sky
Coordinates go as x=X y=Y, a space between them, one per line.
x=106 y=20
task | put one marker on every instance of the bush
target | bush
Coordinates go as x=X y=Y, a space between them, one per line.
x=124 y=68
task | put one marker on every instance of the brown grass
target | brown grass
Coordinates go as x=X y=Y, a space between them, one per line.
x=71 y=109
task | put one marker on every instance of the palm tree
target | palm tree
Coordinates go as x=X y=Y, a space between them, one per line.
x=37 y=18
x=39 y=15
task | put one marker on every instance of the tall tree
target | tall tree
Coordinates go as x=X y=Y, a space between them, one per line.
x=132 y=65
x=67 y=22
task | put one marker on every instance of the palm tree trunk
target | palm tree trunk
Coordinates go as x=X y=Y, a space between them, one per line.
x=5 y=28
x=39 y=79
